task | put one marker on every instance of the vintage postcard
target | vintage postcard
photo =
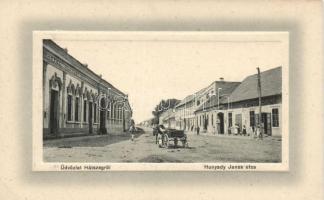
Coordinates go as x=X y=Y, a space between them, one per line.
x=165 y=101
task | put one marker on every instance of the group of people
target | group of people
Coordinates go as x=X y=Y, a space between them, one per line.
x=237 y=130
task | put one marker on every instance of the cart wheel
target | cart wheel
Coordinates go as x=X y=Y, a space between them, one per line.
x=184 y=142
x=166 y=140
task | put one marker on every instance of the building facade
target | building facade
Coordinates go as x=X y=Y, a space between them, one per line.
x=167 y=118
x=206 y=115
x=239 y=109
x=77 y=101
x=187 y=116
x=184 y=113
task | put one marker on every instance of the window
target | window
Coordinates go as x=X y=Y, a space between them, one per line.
x=252 y=119
x=85 y=111
x=275 y=117
x=114 y=112
x=95 y=112
x=69 y=107
x=76 y=109
x=230 y=120
x=257 y=119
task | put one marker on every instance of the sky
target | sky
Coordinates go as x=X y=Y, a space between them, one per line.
x=152 y=70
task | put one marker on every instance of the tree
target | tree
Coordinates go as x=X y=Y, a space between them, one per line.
x=163 y=106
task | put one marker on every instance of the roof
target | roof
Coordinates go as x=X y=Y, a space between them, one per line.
x=226 y=89
x=74 y=62
x=271 y=82
x=191 y=97
x=186 y=100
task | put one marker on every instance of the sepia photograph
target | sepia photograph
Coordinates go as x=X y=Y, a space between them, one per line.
x=160 y=101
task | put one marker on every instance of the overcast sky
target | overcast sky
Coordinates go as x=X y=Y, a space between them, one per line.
x=149 y=71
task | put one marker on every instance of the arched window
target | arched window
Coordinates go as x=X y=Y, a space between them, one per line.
x=69 y=107
x=84 y=110
x=76 y=108
x=77 y=103
x=70 y=90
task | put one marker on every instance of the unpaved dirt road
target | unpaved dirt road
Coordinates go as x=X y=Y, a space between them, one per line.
x=143 y=149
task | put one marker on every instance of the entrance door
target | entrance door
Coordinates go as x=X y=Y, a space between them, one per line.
x=238 y=121
x=90 y=117
x=266 y=121
x=54 y=111
x=220 y=117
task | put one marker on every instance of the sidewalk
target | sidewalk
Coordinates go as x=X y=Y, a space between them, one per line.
x=232 y=136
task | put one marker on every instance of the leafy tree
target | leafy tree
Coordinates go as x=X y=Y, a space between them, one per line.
x=163 y=106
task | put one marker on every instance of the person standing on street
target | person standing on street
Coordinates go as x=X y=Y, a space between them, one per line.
x=132 y=129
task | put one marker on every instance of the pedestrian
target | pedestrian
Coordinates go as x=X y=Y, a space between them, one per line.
x=198 y=130
x=218 y=125
x=257 y=131
x=161 y=131
x=132 y=129
x=236 y=129
x=244 y=130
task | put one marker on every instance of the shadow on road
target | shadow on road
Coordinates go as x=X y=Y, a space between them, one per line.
x=90 y=141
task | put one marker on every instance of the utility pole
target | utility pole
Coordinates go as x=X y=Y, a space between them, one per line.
x=260 y=107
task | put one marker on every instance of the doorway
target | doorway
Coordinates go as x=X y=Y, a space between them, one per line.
x=266 y=122
x=54 y=111
x=220 y=125
x=238 y=122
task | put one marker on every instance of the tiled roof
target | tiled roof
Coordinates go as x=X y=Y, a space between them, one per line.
x=271 y=81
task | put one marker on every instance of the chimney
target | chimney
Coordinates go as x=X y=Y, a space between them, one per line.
x=85 y=65
x=65 y=49
x=221 y=79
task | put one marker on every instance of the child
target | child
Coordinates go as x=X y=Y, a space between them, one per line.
x=244 y=130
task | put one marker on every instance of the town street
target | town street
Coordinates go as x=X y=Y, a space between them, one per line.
x=202 y=148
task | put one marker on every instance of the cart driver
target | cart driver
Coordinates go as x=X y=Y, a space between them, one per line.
x=161 y=130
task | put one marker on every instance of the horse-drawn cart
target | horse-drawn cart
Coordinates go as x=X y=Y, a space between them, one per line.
x=173 y=135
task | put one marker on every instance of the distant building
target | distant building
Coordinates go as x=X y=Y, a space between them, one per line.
x=184 y=113
x=77 y=101
x=167 y=118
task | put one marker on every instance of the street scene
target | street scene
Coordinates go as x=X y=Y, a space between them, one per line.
x=144 y=149
x=168 y=109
